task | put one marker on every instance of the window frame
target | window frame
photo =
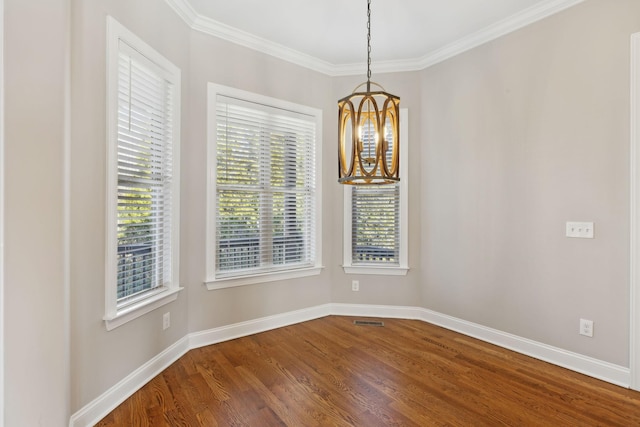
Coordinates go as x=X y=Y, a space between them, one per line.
x=402 y=267
x=211 y=281
x=119 y=314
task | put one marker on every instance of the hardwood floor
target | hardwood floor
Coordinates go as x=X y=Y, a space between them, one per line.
x=330 y=372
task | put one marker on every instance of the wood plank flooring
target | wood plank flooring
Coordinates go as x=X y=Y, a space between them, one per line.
x=330 y=372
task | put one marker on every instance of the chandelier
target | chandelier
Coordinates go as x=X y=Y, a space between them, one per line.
x=369 y=132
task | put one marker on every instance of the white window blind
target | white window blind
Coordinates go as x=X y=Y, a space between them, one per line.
x=265 y=189
x=375 y=227
x=145 y=175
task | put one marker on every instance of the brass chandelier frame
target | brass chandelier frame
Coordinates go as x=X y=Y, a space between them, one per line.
x=369 y=132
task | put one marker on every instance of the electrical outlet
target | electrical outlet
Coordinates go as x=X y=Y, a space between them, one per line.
x=586 y=327
x=166 y=321
x=355 y=285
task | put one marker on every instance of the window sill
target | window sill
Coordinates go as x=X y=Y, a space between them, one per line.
x=375 y=269
x=140 y=308
x=261 y=278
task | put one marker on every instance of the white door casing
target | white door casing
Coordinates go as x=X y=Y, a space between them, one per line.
x=634 y=292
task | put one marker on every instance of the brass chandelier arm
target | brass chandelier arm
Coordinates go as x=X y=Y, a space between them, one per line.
x=368 y=83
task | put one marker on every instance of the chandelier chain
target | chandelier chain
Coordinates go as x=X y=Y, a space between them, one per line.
x=368 y=42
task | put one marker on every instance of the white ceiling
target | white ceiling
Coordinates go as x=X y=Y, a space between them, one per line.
x=330 y=35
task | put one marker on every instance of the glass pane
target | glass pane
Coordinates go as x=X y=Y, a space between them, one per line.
x=238 y=231
x=375 y=225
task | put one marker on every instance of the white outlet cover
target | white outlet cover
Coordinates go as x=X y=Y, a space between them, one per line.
x=586 y=327
x=166 y=321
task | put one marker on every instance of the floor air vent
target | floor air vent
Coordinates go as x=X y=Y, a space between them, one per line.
x=368 y=323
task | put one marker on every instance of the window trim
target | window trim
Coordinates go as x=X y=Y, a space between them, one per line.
x=116 y=315
x=403 y=266
x=2 y=226
x=211 y=282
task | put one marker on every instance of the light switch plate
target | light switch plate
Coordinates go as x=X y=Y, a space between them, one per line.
x=582 y=230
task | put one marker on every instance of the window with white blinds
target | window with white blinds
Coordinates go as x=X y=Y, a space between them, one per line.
x=265 y=217
x=375 y=224
x=145 y=175
x=143 y=187
x=375 y=220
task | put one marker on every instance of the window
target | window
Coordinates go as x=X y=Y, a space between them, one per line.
x=375 y=222
x=264 y=218
x=143 y=178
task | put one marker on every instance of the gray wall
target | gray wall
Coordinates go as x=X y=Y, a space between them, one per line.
x=217 y=61
x=507 y=142
x=99 y=358
x=519 y=136
x=35 y=309
x=390 y=290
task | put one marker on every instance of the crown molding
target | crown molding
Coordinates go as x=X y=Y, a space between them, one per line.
x=184 y=10
x=217 y=29
x=497 y=30
x=377 y=67
x=206 y=25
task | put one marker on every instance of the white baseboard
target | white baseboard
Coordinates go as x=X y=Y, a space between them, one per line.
x=387 y=311
x=592 y=367
x=101 y=406
x=93 y=412
x=250 y=327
